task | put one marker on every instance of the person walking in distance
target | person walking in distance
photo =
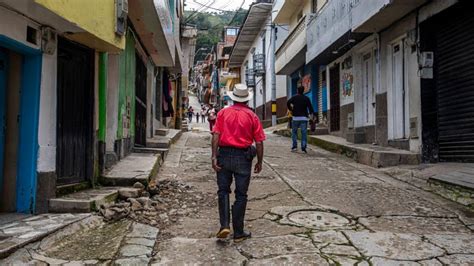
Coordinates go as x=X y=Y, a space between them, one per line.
x=203 y=114
x=211 y=116
x=234 y=133
x=300 y=107
x=197 y=116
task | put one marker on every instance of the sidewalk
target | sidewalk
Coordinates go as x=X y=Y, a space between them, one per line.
x=368 y=154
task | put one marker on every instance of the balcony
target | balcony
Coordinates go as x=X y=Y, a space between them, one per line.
x=376 y=15
x=340 y=24
x=284 y=9
x=291 y=54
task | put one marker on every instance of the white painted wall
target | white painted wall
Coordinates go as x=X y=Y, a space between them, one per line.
x=14 y=26
x=412 y=80
x=367 y=46
x=47 y=115
x=112 y=101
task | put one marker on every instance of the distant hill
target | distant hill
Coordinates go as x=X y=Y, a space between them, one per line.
x=211 y=26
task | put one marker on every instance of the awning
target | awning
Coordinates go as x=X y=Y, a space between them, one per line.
x=253 y=24
x=152 y=22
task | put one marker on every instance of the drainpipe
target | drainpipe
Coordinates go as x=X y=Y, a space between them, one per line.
x=103 y=62
x=274 y=105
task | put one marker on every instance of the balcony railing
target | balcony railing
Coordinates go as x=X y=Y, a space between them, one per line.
x=290 y=49
x=293 y=34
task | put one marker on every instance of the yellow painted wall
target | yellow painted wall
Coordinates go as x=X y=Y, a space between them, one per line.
x=97 y=17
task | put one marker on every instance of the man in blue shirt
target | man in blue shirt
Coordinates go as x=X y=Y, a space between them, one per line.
x=301 y=107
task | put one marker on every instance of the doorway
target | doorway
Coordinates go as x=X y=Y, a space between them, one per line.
x=140 y=102
x=3 y=85
x=368 y=92
x=399 y=108
x=75 y=113
x=334 y=83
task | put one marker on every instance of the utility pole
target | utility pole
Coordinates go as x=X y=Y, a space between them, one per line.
x=272 y=65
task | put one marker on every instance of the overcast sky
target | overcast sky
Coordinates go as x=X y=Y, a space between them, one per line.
x=217 y=4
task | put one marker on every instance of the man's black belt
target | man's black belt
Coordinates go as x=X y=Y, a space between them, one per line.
x=230 y=148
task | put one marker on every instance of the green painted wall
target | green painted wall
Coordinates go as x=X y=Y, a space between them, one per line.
x=126 y=115
x=103 y=64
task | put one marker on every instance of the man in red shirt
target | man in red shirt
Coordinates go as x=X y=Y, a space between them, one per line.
x=236 y=129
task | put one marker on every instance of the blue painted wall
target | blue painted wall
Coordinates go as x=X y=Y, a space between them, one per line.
x=29 y=116
x=3 y=85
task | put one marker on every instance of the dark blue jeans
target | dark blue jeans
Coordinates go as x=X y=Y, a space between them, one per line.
x=235 y=165
x=304 y=133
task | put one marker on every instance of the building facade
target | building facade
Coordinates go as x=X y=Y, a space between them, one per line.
x=81 y=83
x=387 y=69
x=253 y=55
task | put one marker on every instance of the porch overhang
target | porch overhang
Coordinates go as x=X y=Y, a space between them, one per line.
x=294 y=63
x=338 y=48
x=376 y=15
x=284 y=9
x=152 y=23
x=256 y=18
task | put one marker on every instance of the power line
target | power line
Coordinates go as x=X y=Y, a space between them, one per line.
x=235 y=14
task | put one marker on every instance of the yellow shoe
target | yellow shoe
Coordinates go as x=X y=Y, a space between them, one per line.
x=223 y=233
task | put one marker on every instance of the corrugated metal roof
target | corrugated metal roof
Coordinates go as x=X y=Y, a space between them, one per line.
x=256 y=18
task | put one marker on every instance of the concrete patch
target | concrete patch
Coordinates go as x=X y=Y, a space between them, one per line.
x=458 y=259
x=296 y=259
x=453 y=243
x=134 y=251
x=184 y=251
x=415 y=225
x=386 y=262
x=393 y=246
x=317 y=219
x=143 y=231
x=279 y=245
x=263 y=228
x=344 y=250
x=329 y=237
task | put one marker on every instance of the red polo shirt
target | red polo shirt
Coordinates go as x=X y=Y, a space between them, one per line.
x=238 y=127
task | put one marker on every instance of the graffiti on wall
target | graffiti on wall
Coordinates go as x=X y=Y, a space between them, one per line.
x=347 y=84
x=306 y=83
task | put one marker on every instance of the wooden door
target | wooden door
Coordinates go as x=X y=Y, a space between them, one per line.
x=398 y=90
x=334 y=83
x=3 y=85
x=368 y=92
x=140 y=102
x=75 y=112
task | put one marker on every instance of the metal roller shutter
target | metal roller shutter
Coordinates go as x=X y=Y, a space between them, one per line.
x=455 y=86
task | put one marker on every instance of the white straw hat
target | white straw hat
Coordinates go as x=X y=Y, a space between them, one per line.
x=241 y=93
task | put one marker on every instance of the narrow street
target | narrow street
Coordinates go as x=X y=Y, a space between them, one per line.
x=307 y=209
x=316 y=209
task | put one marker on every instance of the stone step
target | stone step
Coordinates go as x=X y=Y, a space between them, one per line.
x=83 y=201
x=368 y=154
x=164 y=142
x=136 y=167
x=28 y=229
x=161 y=131
x=162 y=151
x=456 y=185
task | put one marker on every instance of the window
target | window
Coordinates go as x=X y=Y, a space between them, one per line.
x=231 y=32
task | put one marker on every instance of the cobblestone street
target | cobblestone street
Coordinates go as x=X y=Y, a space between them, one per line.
x=318 y=209
x=315 y=208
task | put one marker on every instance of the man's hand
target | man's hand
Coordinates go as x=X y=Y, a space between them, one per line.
x=215 y=165
x=258 y=167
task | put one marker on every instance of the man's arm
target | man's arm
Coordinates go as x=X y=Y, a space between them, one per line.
x=215 y=145
x=258 y=165
x=289 y=104
x=310 y=106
